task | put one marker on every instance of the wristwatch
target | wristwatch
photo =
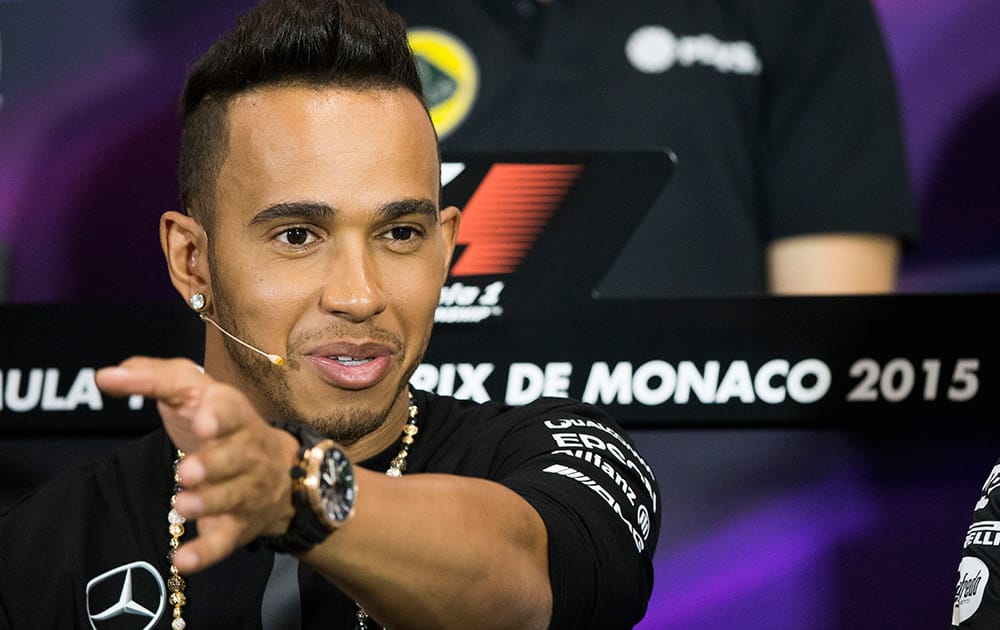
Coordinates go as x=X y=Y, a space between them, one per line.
x=323 y=491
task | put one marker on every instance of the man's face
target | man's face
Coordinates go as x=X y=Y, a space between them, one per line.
x=328 y=249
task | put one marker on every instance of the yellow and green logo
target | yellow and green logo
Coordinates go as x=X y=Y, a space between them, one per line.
x=449 y=76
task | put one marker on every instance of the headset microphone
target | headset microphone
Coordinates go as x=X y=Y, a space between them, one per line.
x=273 y=358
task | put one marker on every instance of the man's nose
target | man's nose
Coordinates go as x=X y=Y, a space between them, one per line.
x=353 y=289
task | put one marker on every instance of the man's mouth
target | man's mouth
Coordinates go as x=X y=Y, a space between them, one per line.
x=351 y=365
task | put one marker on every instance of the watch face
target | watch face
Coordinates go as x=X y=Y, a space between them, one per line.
x=336 y=487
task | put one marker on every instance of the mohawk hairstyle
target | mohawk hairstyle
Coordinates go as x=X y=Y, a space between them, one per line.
x=355 y=44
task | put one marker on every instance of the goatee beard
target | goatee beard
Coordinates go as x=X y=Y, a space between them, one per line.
x=346 y=425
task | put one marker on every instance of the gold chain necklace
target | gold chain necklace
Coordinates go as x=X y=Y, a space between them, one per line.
x=396 y=469
x=175 y=582
x=176 y=522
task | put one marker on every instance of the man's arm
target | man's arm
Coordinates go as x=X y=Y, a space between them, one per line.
x=420 y=551
x=821 y=264
x=441 y=551
x=835 y=188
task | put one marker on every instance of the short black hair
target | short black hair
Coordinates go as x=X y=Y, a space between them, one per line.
x=355 y=44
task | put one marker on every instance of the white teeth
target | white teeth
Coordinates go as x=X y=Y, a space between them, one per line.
x=351 y=361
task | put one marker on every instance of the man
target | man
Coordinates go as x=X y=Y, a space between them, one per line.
x=791 y=175
x=315 y=249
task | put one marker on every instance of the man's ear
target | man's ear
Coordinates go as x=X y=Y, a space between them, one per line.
x=185 y=246
x=451 y=219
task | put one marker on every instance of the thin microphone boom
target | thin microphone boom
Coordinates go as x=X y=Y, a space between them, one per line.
x=273 y=358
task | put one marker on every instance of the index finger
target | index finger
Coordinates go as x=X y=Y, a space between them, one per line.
x=167 y=380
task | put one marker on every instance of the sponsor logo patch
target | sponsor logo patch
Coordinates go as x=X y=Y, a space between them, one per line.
x=449 y=75
x=972 y=578
x=129 y=596
x=654 y=49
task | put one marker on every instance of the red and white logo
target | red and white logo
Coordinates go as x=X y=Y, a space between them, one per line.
x=501 y=223
x=506 y=214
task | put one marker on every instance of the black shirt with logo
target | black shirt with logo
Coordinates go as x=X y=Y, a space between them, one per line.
x=90 y=548
x=783 y=117
x=977 y=592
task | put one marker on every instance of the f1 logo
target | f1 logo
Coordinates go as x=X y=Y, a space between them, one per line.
x=507 y=213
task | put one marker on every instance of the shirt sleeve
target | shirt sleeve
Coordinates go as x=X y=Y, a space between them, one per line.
x=599 y=501
x=977 y=593
x=833 y=157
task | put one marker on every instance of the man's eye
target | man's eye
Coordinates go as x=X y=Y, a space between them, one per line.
x=296 y=236
x=401 y=233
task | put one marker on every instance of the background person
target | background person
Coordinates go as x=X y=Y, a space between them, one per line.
x=791 y=175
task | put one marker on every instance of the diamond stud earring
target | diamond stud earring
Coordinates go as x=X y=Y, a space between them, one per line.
x=198 y=301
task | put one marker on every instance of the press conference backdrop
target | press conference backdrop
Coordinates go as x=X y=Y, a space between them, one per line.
x=818 y=459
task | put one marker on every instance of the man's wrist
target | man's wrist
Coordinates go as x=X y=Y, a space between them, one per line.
x=289 y=453
x=322 y=487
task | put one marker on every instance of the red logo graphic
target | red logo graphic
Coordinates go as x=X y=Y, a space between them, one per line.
x=507 y=213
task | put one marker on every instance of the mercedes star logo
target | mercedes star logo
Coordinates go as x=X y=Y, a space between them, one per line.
x=127 y=604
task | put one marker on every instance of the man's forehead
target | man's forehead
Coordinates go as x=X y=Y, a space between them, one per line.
x=320 y=117
x=297 y=100
x=321 y=143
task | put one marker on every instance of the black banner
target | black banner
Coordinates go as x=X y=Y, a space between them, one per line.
x=49 y=353
x=810 y=361
x=904 y=361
